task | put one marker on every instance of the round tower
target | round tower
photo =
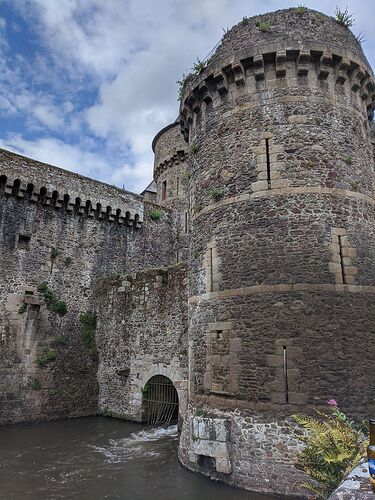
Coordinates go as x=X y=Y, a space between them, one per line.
x=171 y=174
x=282 y=270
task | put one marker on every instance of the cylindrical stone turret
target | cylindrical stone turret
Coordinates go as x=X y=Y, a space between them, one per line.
x=282 y=270
x=171 y=174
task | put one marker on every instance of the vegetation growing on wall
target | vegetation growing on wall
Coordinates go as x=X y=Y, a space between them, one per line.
x=216 y=193
x=52 y=302
x=23 y=308
x=155 y=214
x=344 y=18
x=46 y=357
x=333 y=446
x=88 y=322
x=35 y=384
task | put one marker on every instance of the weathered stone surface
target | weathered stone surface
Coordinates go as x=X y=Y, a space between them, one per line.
x=356 y=486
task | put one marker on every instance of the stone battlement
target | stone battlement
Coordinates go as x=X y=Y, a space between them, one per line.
x=57 y=188
x=274 y=67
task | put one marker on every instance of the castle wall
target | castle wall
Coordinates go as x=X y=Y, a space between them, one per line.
x=142 y=332
x=281 y=278
x=69 y=246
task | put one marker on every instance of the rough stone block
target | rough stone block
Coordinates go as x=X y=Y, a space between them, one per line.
x=259 y=186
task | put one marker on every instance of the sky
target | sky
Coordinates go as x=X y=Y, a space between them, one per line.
x=86 y=84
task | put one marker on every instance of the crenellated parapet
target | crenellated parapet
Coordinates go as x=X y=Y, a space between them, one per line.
x=268 y=67
x=177 y=158
x=50 y=186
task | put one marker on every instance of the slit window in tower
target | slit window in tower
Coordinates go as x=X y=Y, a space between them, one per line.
x=186 y=222
x=342 y=261
x=211 y=287
x=285 y=366
x=177 y=185
x=268 y=163
x=164 y=190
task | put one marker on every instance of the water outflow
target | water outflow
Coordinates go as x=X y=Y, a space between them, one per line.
x=100 y=458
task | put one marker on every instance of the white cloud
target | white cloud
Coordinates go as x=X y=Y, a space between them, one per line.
x=129 y=53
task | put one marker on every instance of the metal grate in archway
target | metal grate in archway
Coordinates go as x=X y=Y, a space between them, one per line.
x=160 y=401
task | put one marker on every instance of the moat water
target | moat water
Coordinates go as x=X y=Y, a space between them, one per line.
x=97 y=458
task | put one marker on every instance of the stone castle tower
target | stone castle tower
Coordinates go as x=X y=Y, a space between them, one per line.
x=247 y=280
x=282 y=242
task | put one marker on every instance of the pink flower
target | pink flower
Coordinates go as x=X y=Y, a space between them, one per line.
x=332 y=402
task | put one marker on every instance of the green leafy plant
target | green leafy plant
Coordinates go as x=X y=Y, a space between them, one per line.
x=263 y=26
x=199 y=412
x=23 y=308
x=310 y=164
x=216 y=193
x=301 y=9
x=155 y=214
x=68 y=261
x=52 y=302
x=194 y=148
x=88 y=322
x=45 y=358
x=344 y=18
x=54 y=253
x=245 y=20
x=181 y=85
x=354 y=185
x=94 y=353
x=145 y=390
x=62 y=340
x=333 y=445
x=35 y=384
x=199 y=66
x=349 y=160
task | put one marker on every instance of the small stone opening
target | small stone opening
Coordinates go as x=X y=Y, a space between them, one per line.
x=160 y=401
x=23 y=242
x=207 y=463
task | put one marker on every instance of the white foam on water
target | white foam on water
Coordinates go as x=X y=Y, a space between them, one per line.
x=126 y=449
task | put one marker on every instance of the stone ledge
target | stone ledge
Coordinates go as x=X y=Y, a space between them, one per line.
x=356 y=486
x=285 y=192
x=281 y=288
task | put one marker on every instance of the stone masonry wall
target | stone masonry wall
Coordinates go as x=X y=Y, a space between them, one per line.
x=282 y=233
x=172 y=175
x=43 y=239
x=142 y=332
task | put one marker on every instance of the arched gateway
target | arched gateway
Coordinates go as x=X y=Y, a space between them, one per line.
x=159 y=401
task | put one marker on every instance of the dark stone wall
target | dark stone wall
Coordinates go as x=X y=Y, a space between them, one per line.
x=70 y=249
x=282 y=234
x=142 y=332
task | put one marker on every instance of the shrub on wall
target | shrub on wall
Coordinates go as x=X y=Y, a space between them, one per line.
x=155 y=214
x=52 y=302
x=45 y=358
x=88 y=322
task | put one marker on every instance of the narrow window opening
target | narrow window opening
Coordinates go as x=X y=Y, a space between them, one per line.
x=342 y=261
x=211 y=287
x=186 y=222
x=23 y=242
x=268 y=164
x=164 y=190
x=177 y=186
x=285 y=364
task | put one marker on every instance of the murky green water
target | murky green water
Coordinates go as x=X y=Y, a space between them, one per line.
x=95 y=458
